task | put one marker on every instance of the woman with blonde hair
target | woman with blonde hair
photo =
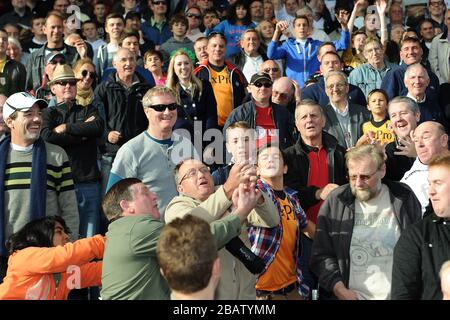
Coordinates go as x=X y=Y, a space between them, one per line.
x=195 y=96
x=84 y=70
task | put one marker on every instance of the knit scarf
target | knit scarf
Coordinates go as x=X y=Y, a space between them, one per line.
x=85 y=97
x=38 y=190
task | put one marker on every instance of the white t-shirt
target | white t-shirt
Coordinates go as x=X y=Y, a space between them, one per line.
x=375 y=234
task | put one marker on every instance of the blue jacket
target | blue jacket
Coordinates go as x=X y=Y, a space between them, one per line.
x=300 y=64
x=317 y=93
x=232 y=34
x=394 y=84
x=153 y=34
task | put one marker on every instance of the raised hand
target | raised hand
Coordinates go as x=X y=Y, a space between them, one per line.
x=381 y=7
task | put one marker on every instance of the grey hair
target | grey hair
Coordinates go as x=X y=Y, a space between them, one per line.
x=307 y=102
x=14 y=41
x=366 y=151
x=412 y=105
x=116 y=56
x=412 y=66
x=304 y=11
x=335 y=73
x=250 y=30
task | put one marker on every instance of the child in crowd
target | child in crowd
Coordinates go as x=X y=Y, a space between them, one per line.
x=379 y=127
x=179 y=26
x=153 y=61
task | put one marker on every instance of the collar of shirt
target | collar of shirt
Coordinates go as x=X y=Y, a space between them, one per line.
x=341 y=113
x=135 y=80
x=158 y=25
x=418 y=101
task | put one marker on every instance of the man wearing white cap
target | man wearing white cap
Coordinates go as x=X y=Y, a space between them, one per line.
x=35 y=176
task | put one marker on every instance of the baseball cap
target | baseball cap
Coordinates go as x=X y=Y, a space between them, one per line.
x=21 y=101
x=260 y=76
x=51 y=56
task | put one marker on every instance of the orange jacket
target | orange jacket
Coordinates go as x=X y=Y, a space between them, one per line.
x=33 y=272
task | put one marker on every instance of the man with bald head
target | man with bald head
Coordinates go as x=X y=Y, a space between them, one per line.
x=285 y=93
x=417 y=81
x=119 y=99
x=271 y=68
x=429 y=139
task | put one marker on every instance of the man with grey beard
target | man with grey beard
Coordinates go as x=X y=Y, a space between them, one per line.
x=357 y=229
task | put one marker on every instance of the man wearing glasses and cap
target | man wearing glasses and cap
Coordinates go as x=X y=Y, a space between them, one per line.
x=75 y=128
x=51 y=61
x=152 y=155
x=273 y=123
x=35 y=176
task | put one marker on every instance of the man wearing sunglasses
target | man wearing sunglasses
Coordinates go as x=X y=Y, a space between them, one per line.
x=152 y=155
x=194 y=16
x=156 y=28
x=76 y=128
x=358 y=227
x=273 y=123
x=52 y=60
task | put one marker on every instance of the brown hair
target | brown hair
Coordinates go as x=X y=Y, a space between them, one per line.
x=119 y=191
x=186 y=253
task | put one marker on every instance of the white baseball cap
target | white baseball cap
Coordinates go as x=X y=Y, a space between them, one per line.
x=21 y=101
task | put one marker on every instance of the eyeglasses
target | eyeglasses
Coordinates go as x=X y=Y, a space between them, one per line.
x=336 y=86
x=163 y=107
x=66 y=82
x=58 y=61
x=193 y=15
x=194 y=172
x=263 y=84
x=373 y=50
x=161 y=3
x=84 y=74
x=267 y=70
x=363 y=177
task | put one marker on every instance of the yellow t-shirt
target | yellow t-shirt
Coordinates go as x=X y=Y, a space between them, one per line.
x=381 y=130
x=221 y=85
x=282 y=270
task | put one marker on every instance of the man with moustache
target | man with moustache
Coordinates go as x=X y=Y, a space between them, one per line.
x=357 y=229
x=35 y=176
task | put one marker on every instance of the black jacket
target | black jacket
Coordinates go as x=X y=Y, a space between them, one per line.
x=201 y=108
x=79 y=139
x=121 y=109
x=298 y=168
x=13 y=78
x=418 y=256
x=330 y=259
x=396 y=165
x=283 y=120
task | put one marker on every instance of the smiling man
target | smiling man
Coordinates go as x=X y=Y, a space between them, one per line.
x=152 y=155
x=353 y=258
x=35 y=176
x=429 y=139
x=424 y=247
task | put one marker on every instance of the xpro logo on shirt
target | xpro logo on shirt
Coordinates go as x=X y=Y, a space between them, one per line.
x=287 y=212
x=220 y=79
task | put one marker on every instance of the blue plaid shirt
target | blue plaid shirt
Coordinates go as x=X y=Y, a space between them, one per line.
x=266 y=241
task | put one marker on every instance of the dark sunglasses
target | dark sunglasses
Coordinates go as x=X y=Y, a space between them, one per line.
x=159 y=3
x=163 y=107
x=60 y=61
x=263 y=84
x=193 y=15
x=65 y=82
x=84 y=73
